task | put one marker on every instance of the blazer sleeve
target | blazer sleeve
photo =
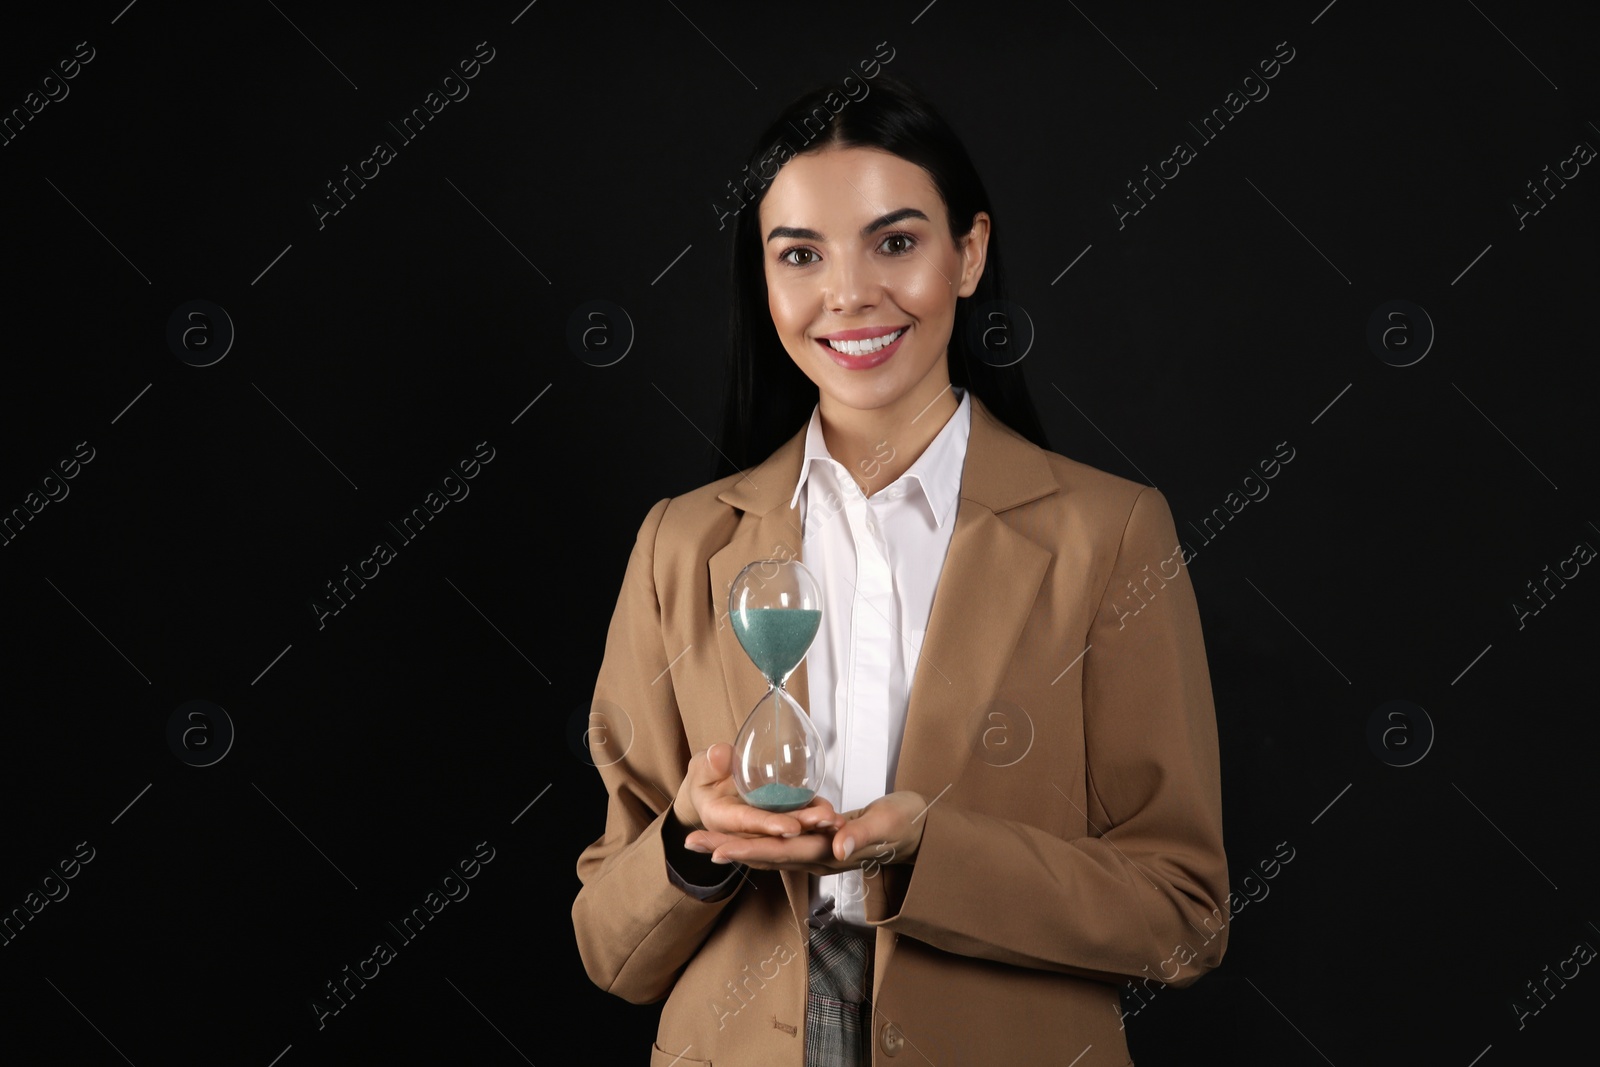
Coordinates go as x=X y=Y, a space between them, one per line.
x=636 y=929
x=1145 y=892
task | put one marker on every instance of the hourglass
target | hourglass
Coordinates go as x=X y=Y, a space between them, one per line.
x=776 y=608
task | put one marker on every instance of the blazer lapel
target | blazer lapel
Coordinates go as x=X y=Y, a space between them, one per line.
x=984 y=597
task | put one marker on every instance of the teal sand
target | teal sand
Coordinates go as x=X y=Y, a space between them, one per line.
x=775 y=796
x=776 y=639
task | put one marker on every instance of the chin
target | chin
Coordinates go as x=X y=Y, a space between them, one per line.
x=861 y=399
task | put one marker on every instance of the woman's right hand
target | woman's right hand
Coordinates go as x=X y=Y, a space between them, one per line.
x=708 y=800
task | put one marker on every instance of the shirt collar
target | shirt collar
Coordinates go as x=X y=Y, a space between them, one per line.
x=936 y=473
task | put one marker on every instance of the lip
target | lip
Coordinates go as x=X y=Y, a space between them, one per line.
x=861 y=333
x=869 y=361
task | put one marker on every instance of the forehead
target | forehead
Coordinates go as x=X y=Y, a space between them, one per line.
x=847 y=187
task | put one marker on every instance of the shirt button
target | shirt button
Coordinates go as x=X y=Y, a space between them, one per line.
x=891 y=1039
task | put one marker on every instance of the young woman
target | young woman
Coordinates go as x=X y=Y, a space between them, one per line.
x=1023 y=807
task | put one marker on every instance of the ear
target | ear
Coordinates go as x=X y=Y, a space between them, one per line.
x=974 y=254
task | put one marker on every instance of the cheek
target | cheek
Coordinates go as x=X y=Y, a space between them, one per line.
x=928 y=294
x=790 y=310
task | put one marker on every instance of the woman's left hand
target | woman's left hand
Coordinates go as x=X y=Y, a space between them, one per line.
x=888 y=830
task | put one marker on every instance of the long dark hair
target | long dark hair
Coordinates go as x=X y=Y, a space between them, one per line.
x=768 y=398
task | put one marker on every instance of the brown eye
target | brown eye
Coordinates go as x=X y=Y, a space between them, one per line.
x=906 y=243
x=797 y=251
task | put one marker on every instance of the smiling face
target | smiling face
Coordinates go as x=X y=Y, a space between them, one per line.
x=857 y=250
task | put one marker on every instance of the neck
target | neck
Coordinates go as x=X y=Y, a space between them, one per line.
x=878 y=445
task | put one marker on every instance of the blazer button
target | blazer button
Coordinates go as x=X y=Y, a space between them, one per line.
x=891 y=1039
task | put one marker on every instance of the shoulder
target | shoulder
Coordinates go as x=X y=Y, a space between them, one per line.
x=1092 y=505
x=1100 y=527
x=1086 y=487
x=1035 y=489
x=699 y=514
x=689 y=527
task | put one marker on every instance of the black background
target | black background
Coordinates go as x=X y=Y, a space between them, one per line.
x=373 y=353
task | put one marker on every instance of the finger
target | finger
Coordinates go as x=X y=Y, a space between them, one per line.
x=818 y=815
x=708 y=841
x=730 y=814
x=773 y=851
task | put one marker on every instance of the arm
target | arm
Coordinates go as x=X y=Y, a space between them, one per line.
x=636 y=928
x=1148 y=887
x=693 y=872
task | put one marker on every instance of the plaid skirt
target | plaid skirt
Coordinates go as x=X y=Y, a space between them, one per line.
x=838 y=1008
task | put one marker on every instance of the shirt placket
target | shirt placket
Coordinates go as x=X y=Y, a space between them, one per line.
x=866 y=725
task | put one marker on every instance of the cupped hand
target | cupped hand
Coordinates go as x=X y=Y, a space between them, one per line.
x=889 y=830
x=709 y=802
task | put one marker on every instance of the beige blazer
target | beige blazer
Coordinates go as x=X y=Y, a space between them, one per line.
x=1075 y=836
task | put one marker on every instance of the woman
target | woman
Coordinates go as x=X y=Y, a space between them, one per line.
x=1023 y=808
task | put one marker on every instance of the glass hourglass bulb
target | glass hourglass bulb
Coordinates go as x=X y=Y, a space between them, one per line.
x=778 y=757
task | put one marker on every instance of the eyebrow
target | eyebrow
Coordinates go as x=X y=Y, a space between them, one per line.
x=866 y=231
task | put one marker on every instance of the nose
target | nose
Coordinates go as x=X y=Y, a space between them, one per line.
x=849 y=286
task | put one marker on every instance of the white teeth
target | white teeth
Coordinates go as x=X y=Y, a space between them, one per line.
x=867 y=347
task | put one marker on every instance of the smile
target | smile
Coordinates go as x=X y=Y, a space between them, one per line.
x=866 y=353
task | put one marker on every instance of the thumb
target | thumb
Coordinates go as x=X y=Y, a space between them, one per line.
x=860 y=832
x=719 y=761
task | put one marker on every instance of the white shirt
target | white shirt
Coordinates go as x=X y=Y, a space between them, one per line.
x=878 y=560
